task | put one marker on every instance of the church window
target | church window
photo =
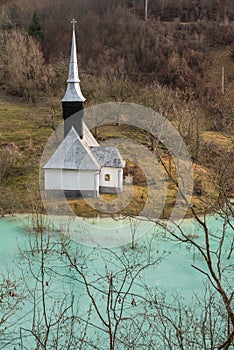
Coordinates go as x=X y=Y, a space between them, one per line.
x=107 y=177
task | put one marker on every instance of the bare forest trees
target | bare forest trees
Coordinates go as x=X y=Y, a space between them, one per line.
x=121 y=43
x=23 y=69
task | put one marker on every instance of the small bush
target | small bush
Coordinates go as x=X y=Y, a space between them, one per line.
x=9 y=153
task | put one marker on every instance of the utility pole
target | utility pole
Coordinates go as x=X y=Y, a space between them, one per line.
x=146 y=10
x=223 y=80
x=134 y=7
x=162 y=7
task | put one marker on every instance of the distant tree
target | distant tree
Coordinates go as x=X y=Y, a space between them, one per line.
x=35 y=28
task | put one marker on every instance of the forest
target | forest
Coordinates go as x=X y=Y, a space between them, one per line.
x=171 y=49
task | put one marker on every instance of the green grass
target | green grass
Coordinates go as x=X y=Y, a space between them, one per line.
x=21 y=124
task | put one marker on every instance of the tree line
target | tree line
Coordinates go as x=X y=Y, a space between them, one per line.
x=119 y=43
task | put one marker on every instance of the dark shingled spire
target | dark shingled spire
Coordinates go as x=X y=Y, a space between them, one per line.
x=73 y=99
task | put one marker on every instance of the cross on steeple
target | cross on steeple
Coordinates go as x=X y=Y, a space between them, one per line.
x=73 y=22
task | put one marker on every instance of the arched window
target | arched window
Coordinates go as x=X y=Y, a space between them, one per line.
x=107 y=177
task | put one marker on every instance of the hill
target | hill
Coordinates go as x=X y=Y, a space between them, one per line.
x=172 y=63
x=26 y=127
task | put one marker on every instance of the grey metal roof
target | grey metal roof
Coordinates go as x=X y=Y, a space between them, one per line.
x=85 y=154
x=73 y=92
x=72 y=154
x=108 y=156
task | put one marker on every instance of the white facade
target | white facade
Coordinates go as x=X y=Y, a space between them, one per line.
x=77 y=167
x=84 y=180
x=71 y=180
x=111 y=177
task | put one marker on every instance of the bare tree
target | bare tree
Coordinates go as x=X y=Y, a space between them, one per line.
x=212 y=251
x=52 y=317
x=9 y=153
x=11 y=301
x=114 y=289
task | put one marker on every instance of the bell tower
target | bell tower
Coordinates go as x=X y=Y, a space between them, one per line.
x=73 y=100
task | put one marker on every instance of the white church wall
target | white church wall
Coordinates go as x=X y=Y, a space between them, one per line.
x=120 y=179
x=111 y=177
x=55 y=179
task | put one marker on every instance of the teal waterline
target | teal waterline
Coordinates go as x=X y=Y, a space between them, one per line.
x=12 y=232
x=174 y=267
x=173 y=273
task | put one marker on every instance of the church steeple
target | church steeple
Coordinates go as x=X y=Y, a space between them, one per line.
x=73 y=99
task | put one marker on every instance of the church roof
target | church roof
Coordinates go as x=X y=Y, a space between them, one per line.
x=83 y=154
x=72 y=154
x=73 y=92
x=108 y=156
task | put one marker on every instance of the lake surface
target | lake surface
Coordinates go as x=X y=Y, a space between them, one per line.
x=172 y=272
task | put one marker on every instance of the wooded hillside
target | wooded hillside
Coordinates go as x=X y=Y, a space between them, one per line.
x=114 y=40
x=172 y=63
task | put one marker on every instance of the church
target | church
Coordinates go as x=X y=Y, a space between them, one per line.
x=80 y=167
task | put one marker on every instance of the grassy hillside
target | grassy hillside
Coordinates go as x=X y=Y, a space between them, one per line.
x=206 y=121
x=24 y=125
x=221 y=58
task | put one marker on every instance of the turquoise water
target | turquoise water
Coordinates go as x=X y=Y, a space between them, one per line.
x=12 y=232
x=171 y=277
